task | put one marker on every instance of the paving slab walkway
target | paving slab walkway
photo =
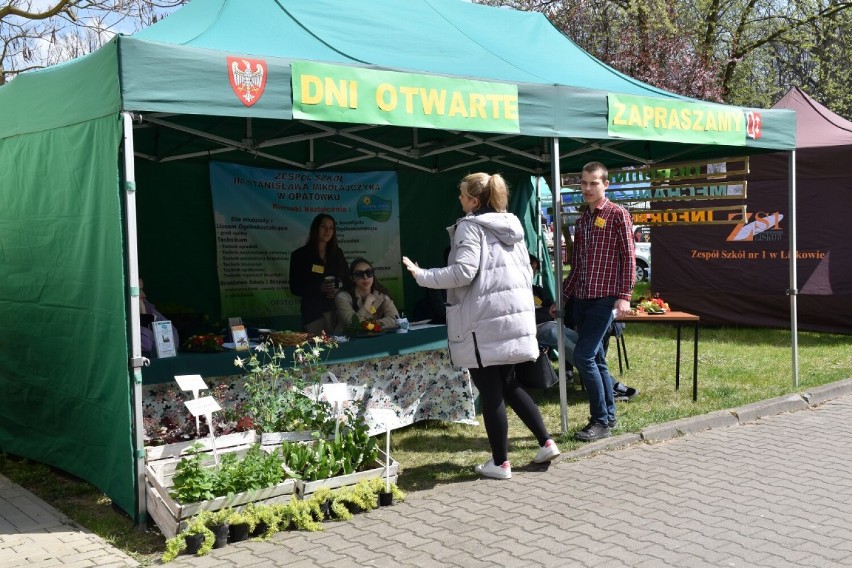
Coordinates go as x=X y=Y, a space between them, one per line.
x=765 y=485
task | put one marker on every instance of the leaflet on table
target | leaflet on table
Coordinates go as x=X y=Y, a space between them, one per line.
x=241 y=340
x=164 y=339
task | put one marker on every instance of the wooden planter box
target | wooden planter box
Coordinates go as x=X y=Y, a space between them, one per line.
x=277 y=438
x=174 y=451
x=305 y=488
x=172 y=516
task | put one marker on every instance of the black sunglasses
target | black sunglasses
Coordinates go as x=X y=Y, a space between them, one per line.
x=363 y=273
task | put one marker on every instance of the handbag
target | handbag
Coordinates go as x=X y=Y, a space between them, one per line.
x=538 y=374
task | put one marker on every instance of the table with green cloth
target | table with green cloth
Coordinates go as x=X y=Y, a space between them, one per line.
x=409 y=373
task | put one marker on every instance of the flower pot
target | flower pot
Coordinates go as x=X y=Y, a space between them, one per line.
x=221 y=533
x=385 y=499
x=238 y=533
x=260 y=528
x=354 y=508
x=193 y=543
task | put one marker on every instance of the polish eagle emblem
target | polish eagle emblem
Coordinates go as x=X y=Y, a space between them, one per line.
x=248 y=78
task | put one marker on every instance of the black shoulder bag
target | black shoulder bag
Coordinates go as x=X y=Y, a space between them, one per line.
x=538 y=374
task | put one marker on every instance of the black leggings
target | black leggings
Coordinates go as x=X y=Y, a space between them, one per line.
x=498 y=387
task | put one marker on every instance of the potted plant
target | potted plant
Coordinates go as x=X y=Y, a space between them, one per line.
x=299 y=515
x=323 y=498
x=196 y=538
x=279 y=386
x=266 y=520
x=379 y=485
x=240 y=525
x=357 y=498
x=217 y=522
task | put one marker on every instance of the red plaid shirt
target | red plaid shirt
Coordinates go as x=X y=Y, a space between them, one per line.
x=604 y=263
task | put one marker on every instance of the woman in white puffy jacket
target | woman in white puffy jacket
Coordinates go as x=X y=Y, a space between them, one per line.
x=490 y=313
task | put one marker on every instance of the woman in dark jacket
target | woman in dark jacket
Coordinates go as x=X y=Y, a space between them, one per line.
x=317 y=270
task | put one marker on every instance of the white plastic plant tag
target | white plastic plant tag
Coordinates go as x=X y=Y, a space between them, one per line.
x=203 y=405
x=192 y=383
x=335 y=392
x=385 y=416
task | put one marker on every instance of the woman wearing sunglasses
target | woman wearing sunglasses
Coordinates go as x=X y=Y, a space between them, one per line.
x=365 y=298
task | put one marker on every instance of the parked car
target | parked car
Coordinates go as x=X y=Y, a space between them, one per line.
x=643 y=261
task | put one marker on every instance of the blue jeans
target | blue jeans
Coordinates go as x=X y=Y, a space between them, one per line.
x=593 y=319
x=546 y=335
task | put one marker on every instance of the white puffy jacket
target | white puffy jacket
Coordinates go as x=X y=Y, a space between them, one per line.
x=490 y=310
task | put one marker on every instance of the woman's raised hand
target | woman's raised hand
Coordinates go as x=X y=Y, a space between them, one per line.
x=411 y=266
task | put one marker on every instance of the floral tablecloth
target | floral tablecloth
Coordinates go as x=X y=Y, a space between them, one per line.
x=416 y=386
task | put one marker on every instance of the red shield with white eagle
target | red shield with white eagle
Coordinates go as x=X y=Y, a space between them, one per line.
x=248 y=78
x=754 y=125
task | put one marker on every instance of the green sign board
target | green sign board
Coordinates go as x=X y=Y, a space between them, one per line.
x=337 y=93
x=648 y=118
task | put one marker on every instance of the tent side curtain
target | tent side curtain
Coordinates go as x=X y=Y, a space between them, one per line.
x=64 y=357
x=66 y=94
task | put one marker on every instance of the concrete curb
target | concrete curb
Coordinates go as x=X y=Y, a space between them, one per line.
x=770 y=407
x=719 y=419
x=824 y=393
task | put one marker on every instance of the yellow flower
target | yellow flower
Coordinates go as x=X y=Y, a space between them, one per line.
x=371 y=326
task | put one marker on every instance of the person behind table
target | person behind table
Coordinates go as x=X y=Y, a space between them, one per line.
x=310 y=266
x=490 y=313
x=545 y=315
x=364 y=297
x=601 y=283
x=145 y=330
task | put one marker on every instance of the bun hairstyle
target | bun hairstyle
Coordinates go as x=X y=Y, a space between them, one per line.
x=491 y=190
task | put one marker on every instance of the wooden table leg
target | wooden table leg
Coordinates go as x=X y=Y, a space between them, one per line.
x=677 y=360
x=695 y=365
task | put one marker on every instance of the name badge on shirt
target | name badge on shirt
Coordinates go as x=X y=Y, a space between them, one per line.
x=600 y=222
x=318 y=269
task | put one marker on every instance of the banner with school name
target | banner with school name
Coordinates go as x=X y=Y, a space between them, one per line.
x=262 y=215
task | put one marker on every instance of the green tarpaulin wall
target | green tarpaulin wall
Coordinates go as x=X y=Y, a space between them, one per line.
x=65 y=381
x=63 y=343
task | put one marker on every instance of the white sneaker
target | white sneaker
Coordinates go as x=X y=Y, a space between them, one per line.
x=488 y=469
x=548 y=452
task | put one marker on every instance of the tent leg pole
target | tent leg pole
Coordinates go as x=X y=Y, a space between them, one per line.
x=136 y=360
x=556 y=196
x=794 y=289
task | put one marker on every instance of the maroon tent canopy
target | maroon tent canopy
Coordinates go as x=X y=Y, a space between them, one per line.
x=739 y=274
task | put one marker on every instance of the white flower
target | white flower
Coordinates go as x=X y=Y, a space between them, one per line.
x=238 y=362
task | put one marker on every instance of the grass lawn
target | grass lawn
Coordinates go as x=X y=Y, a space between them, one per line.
x=736 y=366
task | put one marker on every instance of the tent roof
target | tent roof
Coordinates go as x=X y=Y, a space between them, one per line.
x=176 y=78
x=444 y=37
x=816 y=126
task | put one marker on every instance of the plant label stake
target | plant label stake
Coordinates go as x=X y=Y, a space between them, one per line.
x=336 y=394
x=192 y=383
x=387 y=416
x=206 y=405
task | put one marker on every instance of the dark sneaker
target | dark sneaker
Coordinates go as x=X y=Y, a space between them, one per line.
x=622 y=392
x=613 y=423
x=593 y=431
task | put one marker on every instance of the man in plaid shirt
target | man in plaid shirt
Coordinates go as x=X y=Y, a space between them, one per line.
x=601 y=282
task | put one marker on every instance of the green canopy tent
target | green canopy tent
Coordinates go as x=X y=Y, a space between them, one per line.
x=148 y=112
